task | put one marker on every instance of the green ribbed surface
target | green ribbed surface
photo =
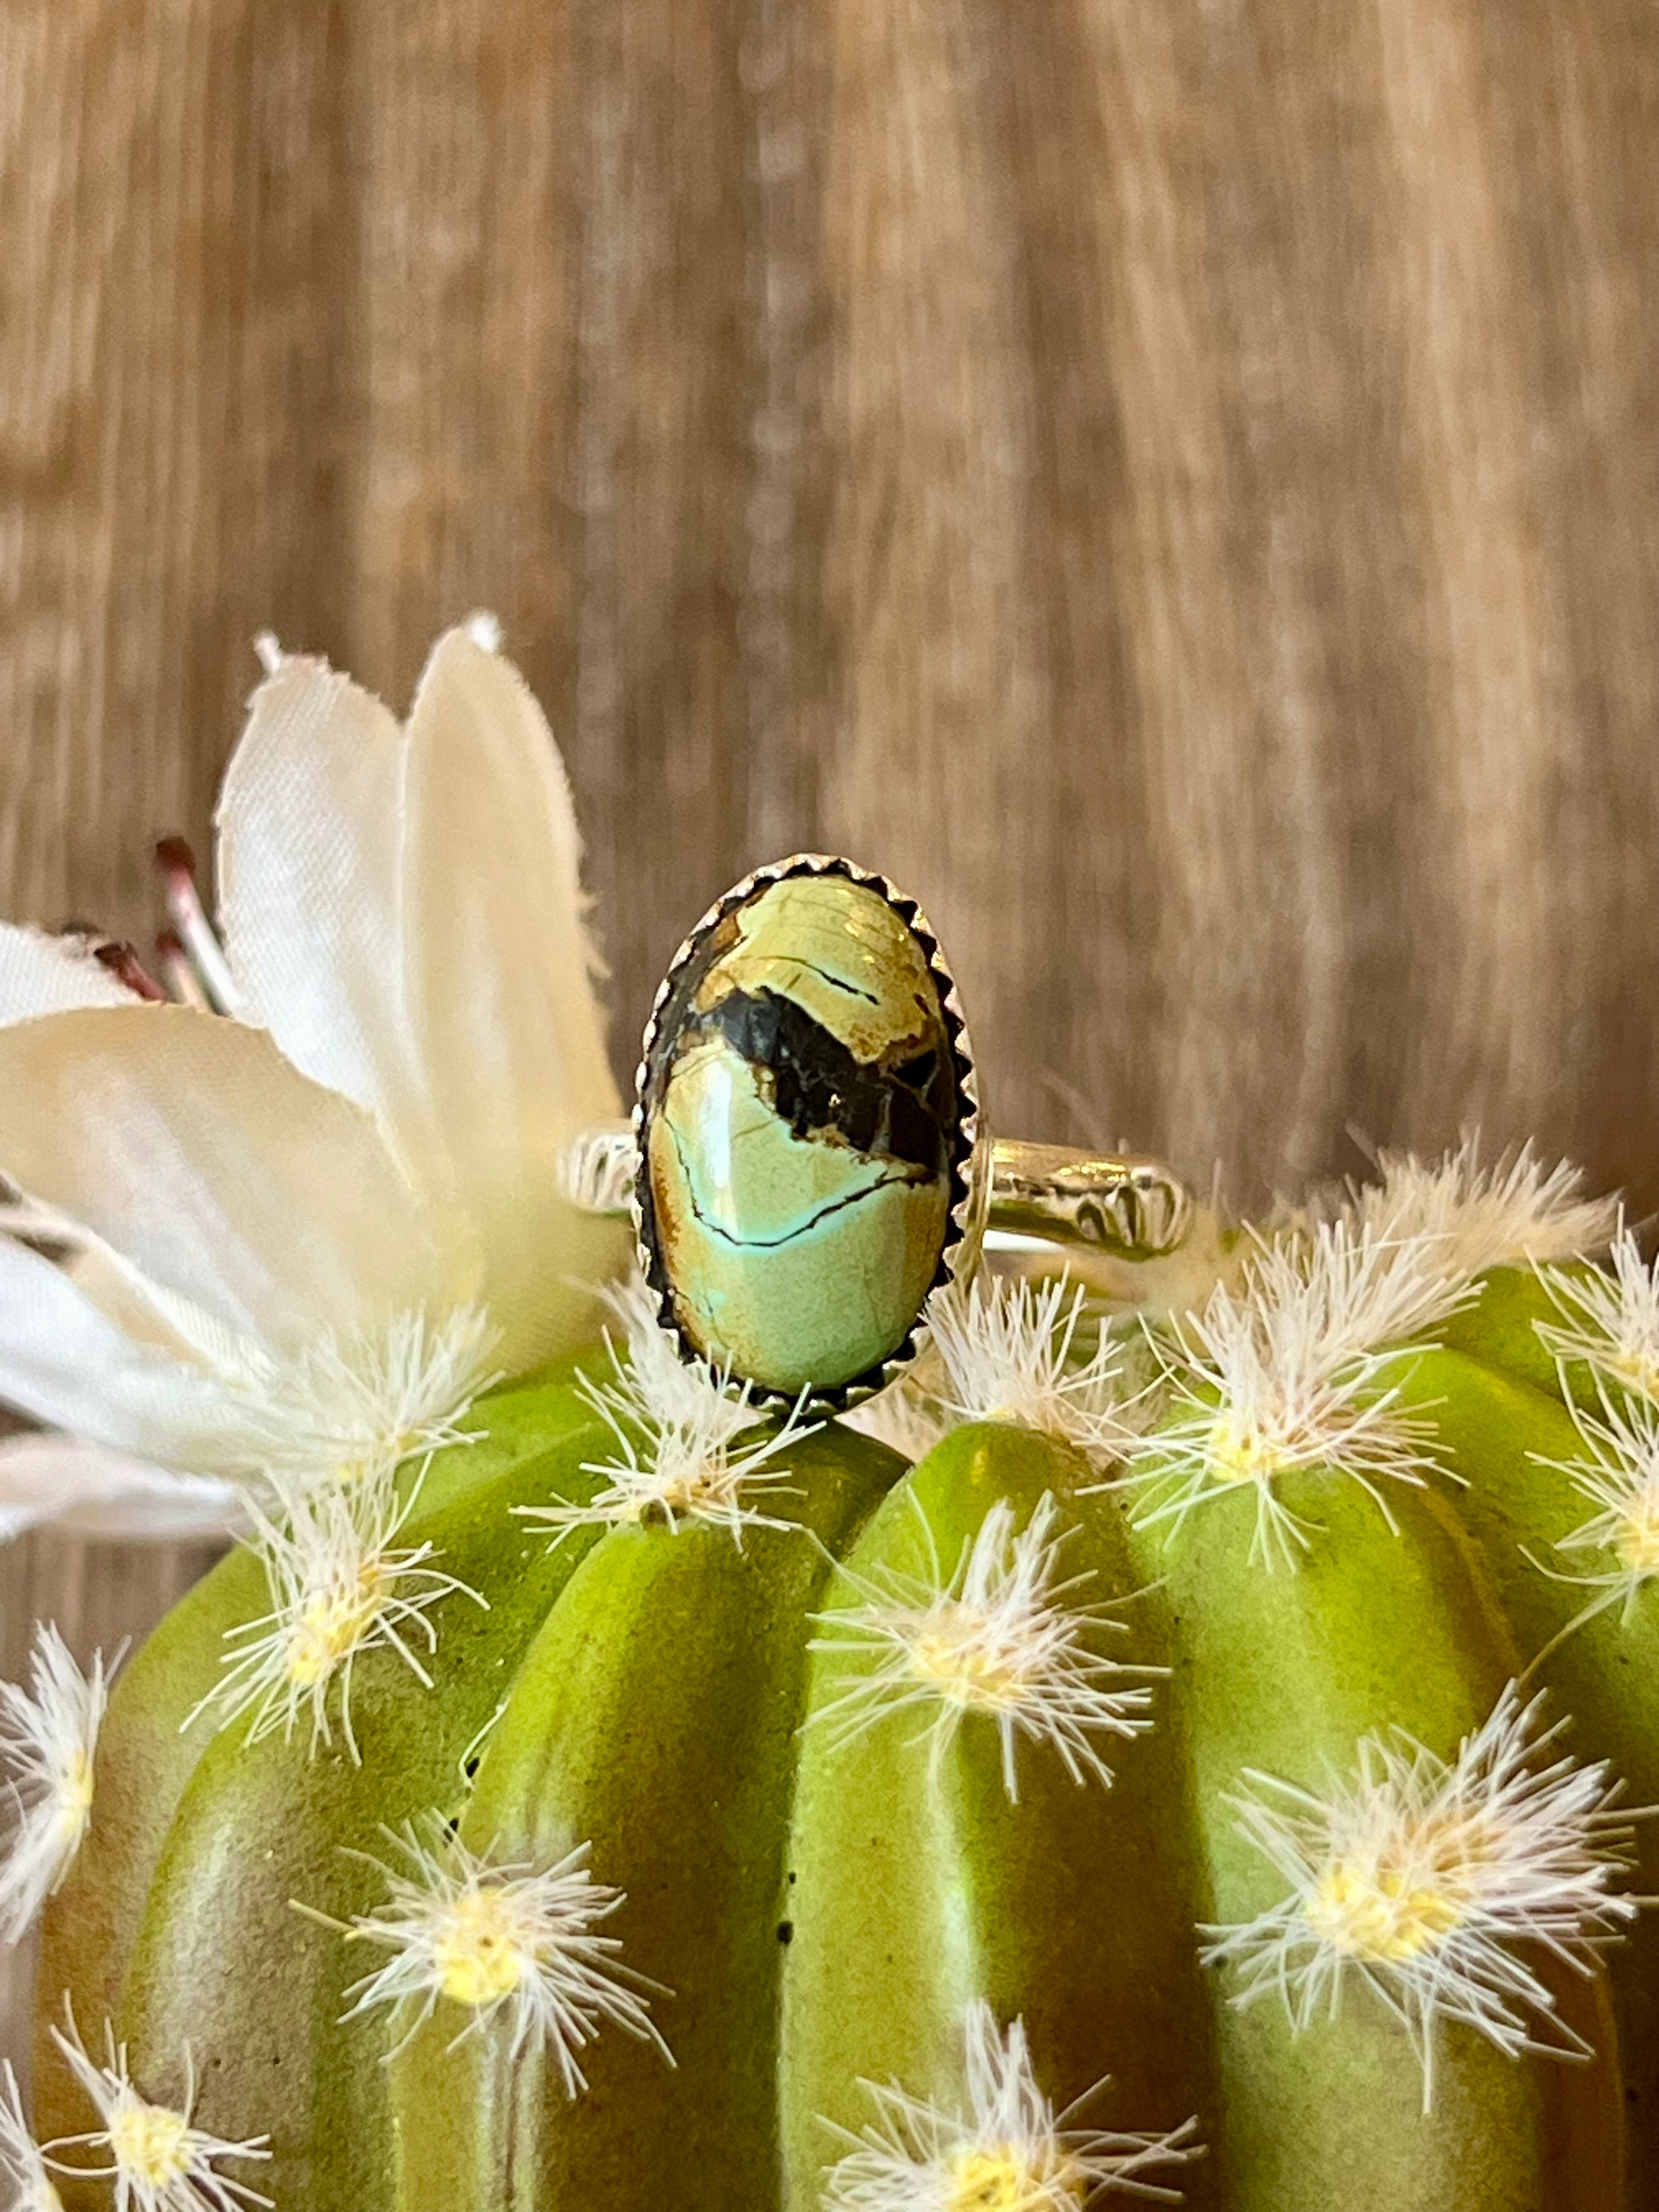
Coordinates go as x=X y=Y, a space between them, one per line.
x=824 y=1912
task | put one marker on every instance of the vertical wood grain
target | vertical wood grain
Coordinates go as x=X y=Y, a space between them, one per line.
x=1177 y=484
x=167 y=361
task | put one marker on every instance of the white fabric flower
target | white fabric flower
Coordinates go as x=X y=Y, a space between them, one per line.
x=291 y=1239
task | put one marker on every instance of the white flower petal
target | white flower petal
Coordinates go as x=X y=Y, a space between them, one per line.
x=41 y=975
x=92 y=1491
x=67 y=1364
x=500 y=982
x=190 y=1145
x=311 y=895
x=150 y=1314
x=403 y=911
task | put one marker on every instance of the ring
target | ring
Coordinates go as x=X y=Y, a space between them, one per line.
x=807 y=1162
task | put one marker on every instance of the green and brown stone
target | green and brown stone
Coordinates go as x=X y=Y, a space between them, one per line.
x=801 y=1112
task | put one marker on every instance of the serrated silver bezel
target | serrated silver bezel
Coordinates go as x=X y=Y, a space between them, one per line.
x=964 y=1228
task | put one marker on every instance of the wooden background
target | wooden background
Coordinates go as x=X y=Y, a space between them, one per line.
x=1176 y=483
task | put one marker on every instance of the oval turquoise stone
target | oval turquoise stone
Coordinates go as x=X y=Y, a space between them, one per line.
x=801 y=1118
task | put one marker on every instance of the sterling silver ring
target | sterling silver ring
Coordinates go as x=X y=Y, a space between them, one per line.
x=807 y=1162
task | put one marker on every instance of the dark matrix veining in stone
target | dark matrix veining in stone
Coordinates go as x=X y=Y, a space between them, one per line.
x=816 y=1085
x=801 y=1114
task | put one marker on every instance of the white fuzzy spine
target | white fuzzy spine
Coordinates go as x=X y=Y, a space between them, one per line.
x=1510 y=1210
x=1430 y=1882
x=158 y=2161
x=22 y=2162
x=679 y=1431
x=1609 y=1319
x=340 y=1584
x=997 y=1636
x=48 y=1741
x=1011 y=1352
x=1292 y=1372
x=512 y=1946
x=1617 y=1473
x=1004 y=2147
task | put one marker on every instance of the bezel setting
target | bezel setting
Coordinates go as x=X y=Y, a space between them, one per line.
x=969 y=1183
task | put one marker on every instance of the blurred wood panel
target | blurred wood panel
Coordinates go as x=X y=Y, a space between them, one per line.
x=1174 y=482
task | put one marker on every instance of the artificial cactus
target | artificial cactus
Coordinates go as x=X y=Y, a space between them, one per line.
x=1118 y=1758
x=1146 y=1785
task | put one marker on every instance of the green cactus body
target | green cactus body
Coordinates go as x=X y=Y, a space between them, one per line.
x=920 y=1886
x=200 y=1841
x=655 y=1716
x=841 y=1837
